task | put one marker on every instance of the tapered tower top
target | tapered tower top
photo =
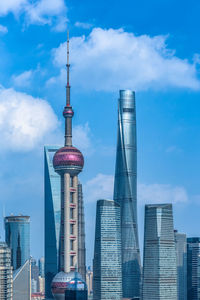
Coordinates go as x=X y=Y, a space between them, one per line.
x=68 y=158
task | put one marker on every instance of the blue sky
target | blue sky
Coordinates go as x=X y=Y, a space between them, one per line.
x=150 y=47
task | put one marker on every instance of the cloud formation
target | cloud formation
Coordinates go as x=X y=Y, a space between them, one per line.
x=161 y=193
x=109 y=60
x=101 y=187
x=23 y=79
x=40 y=12
x=3 y=29
x=25 y=122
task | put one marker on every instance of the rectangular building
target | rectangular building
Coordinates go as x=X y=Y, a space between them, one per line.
x=107 y=265
x=159 y=266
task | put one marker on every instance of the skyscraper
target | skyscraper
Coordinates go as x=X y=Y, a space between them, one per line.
x=17 y=236
x=107 y=268
x=125 y=193
x=159 y=266
x=68 y=162
x=41 y=266
x=6 y=276
x=181 y=258
x=22 y=282
x=193 y=272
x=52 y=218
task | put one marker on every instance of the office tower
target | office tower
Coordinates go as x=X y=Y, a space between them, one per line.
x=17 y=236
x=52 y=218
x=107 y=266
x=41 y=266
x=6 y=275
x=125 y=193
x=181 y=258
x=34 y=275
x=22 y=282
x=41 y=284
x=193 y=272
x=159 y=266
x=68 y=162
x=89 y=281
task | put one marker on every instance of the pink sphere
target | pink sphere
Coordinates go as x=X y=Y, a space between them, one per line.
x=68 y=159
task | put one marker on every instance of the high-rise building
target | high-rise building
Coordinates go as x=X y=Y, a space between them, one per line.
x=22 y=282
x=89 y=281
x=41 y=266
x=6 y=275
x=181 y=258
x=52 y=218
x=125 y=193
x=193 y=271
x=17 y=236
x=68 y=162
x=107 y=265
x=159 y=266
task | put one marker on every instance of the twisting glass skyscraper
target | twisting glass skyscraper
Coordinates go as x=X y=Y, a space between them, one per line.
x=68 y=162
x=125 y=193
x=159 y=266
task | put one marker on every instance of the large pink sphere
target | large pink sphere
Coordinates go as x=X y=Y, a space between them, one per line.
x=68 y=159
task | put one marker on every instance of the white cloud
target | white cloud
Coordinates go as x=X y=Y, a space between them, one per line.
x=114 y=59
x=25 y=122
x=23 y=79
x=83 y=25
x=161 y=193
x=81 y=138
x=3 y=29
x=41 y=12
x=13 y=6
x=99 y=187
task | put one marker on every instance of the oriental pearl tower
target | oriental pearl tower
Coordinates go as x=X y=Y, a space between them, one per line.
x=68 y=162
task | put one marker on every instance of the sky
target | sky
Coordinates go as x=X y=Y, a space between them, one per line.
x=151 y=47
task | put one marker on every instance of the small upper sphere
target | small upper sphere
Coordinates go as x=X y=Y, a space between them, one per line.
x=68 y=159
x=68 y=112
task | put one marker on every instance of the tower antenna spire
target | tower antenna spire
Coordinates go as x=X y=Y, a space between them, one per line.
x=68 y=67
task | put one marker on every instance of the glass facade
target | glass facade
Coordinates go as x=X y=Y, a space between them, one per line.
x=159 y=266
x=193 y=272
x=6 y=276
x=107 y=276
x=181 y=258
x=52 y=218
x=17 y=236
x=22 y=282
x=125 y=193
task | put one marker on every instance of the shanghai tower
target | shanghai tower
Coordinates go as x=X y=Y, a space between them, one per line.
x=125 y=193
x=68 y=162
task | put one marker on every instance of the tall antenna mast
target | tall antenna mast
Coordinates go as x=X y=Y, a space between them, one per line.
x=68 y=66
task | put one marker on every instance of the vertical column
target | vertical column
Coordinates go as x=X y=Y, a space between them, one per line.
x=75 y=200
x=66 y=221
x=62 y=226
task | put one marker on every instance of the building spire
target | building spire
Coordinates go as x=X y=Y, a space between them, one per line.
x=68 y=67
x=68 y=111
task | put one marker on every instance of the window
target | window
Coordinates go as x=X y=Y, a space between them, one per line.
x=71 y=181
x=71 y=245
x=71 y=197
x=71 y=261
x=71 y=213
x=71 y=229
